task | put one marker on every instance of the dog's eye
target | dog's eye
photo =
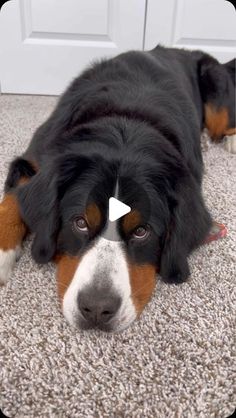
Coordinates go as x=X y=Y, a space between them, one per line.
x=80 y=224
x=141 y=232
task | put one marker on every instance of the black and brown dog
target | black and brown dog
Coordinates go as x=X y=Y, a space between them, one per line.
x=128 y=127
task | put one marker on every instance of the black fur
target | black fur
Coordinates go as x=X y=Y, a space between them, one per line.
x=138 y=116
x=19 y=168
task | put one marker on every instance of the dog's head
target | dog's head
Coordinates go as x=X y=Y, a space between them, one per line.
x=107 y=270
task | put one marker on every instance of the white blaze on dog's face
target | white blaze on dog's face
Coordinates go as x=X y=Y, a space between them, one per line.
x=103 y=267
x=102 y=288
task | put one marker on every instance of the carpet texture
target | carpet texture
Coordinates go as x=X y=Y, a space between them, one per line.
x=177 y=360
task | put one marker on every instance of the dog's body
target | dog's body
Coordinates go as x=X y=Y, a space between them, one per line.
x=128 y=127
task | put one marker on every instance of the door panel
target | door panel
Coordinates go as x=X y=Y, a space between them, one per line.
x=202 y=21
x=90 y=17
x=209 y=25
x=45 y=44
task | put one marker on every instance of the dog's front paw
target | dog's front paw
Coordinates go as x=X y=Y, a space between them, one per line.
x=8 y=259
x=230 y=143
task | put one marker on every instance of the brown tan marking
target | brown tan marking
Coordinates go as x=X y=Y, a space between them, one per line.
x=93 y=216
x=66 y=268
x=216 y=121
x=12 y=228
x=131 y=221
x=23 y=180
x=142 y=281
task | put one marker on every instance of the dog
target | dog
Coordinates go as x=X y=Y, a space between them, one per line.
x=128 y=127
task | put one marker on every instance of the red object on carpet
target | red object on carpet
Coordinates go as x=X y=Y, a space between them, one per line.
x=217 y=231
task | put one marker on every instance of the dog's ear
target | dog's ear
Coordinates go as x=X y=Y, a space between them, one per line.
x=189 y=225
x=39 y=210
x=39 y=201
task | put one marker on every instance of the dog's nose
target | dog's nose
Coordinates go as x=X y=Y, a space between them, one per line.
x=98 y=309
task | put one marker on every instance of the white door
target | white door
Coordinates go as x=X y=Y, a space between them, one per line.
x=46 y=43
x=209 y=25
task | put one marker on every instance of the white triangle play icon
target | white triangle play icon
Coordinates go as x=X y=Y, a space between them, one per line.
x=117 y=209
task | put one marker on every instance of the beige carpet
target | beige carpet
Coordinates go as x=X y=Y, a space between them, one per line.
x=178 y=360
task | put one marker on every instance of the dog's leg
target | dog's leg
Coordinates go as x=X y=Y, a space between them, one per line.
x=12 y=228
x=218 y=90
x=216 y=124
x=230 y=134
x=12 y=232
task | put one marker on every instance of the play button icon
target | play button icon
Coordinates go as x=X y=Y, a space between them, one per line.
x=117 y=209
